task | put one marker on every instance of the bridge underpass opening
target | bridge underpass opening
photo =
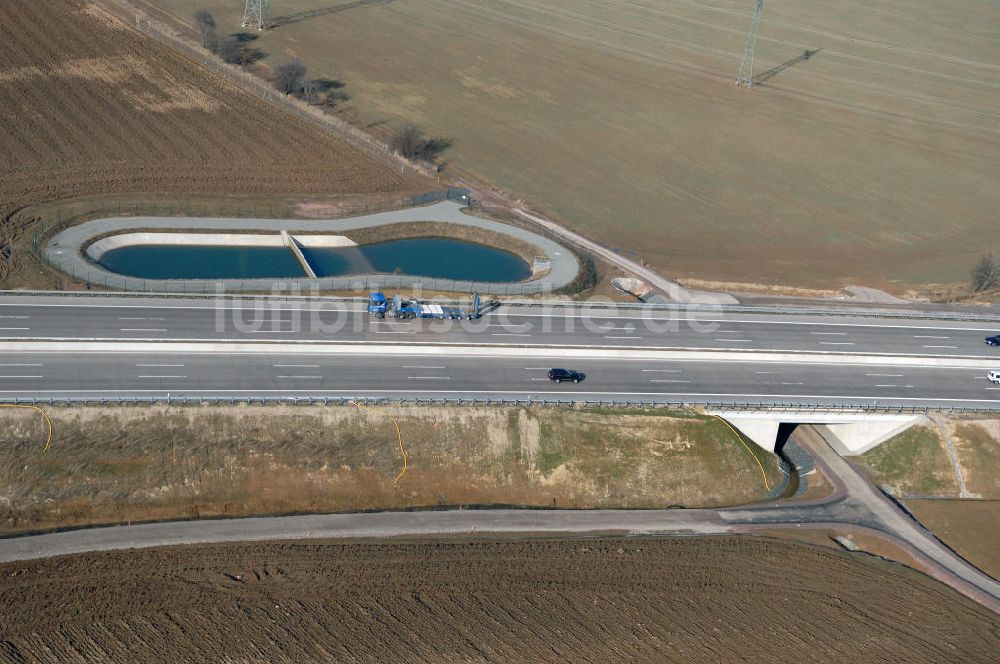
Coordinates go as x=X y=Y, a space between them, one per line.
x=851 y=434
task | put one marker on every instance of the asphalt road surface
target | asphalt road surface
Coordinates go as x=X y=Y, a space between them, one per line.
x=336 y=321
x=111 y=369
x=108 y=347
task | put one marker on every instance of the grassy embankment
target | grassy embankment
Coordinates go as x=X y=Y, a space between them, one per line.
x=113 y=465
x=916 y=463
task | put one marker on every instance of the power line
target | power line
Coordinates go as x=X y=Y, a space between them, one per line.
x=745 y=76
x=257 y=13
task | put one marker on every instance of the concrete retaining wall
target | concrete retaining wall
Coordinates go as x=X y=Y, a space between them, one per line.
x=96 y=250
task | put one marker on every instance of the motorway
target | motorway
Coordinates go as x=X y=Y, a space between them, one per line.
x=107 y=346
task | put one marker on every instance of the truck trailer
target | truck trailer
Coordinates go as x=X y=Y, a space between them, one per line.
x=398 y=307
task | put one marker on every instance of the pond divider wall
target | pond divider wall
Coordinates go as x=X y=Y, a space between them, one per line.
x=292 y=244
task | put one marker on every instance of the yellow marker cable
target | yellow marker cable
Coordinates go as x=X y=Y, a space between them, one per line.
x=48 y=442
x=399 y=435
x=759 y=464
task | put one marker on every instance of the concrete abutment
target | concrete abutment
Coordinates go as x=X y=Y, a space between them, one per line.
x=853 y=433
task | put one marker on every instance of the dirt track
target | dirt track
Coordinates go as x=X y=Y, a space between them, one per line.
x=90 y=107
x=637 y=600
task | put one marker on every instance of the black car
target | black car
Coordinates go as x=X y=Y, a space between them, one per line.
x=993 y=341
x=559 y=375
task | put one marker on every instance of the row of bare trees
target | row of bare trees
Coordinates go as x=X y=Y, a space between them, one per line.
x=290 y=78
x=234 y=49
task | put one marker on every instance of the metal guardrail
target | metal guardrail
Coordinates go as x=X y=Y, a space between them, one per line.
x=560 y=304
x=181 y=400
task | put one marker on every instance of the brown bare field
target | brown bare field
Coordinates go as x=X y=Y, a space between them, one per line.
x=90 y=107
x=970 y=527
x=120 y=464
x=874 y=161
x=734 y=599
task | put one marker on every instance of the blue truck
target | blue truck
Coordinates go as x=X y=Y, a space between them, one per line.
x=380 y=307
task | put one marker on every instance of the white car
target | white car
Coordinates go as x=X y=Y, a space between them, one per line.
x=993 y=376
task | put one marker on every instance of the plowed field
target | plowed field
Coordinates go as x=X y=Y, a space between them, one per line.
x=719 y=600
x=91 y=107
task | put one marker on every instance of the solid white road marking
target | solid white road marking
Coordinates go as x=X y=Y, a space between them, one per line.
x=841 y=334
x=143 y=329
x=765 y=372
x=38 y=364
x=429 y=377
x=295 y=366
x=162 y=376
x=138 y=318
x=159 y=365
x=417 y=366
x=886 y=375
x=662 y=370
x=664 y=380
x=738 y=340
x=928 y=336
x=509 y=334
x=792 y=383
x=297 y=377
x=623 y=337
x=939 y=346
x=6 y=377
x=15 y=328
x=836 y=343
x=17 y=317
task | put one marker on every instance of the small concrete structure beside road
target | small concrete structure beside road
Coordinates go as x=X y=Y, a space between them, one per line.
x=853 y=433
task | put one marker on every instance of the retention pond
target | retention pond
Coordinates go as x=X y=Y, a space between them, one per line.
x=442 y=258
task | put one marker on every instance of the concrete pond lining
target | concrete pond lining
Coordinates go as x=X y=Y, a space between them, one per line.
x=74 y=251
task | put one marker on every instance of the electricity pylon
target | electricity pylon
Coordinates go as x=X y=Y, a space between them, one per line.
x=257 y=14
x=745 y=76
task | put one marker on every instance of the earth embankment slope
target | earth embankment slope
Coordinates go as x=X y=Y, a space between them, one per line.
x=645 y=600
x=90 y=107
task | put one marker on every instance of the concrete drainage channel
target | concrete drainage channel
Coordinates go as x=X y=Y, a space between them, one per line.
x=78 y=251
